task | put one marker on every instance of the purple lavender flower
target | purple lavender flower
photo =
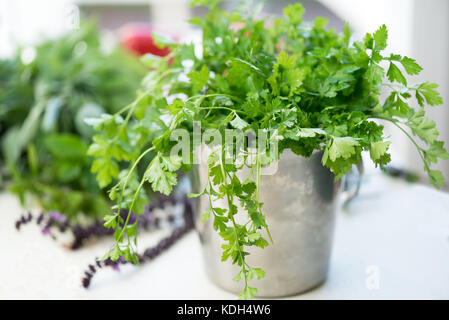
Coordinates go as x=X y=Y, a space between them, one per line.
x=116 y=267
x=46 y=231
x=55 y=215
x=40 y=218
x=124 y=215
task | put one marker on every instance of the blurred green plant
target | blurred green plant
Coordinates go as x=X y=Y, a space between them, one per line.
x=43 y=105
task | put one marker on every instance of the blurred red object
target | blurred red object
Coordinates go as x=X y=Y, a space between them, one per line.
x=136 y=37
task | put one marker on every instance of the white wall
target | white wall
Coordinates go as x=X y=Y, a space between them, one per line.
x=170 y=15
x=26 y=21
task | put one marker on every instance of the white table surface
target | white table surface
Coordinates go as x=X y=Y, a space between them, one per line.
x=394 y=231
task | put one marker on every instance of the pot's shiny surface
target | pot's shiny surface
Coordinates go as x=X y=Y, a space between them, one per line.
x=300 y=202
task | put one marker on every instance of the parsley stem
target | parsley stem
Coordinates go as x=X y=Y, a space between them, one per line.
x=258 y=174
x=215 y=95
x=131 y=208
x=125 y=184
x=211 y=189
x=231 y=217
x=224 y=108
x=395 y=122
x=146 y=93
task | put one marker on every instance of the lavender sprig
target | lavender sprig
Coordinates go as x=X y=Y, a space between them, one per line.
x=150 y=253
x=55 y=220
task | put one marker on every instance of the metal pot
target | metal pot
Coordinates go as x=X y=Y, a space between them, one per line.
x=300 y=202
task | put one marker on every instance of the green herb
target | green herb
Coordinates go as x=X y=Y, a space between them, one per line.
x=43 y=104
x=308 y=87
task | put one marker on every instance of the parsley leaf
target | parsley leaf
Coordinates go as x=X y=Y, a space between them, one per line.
x=427 y=92
x=380 y=38
x=410 y=66
x=199 y=79
x=342 y=148
x=394 y=74
x=160 y=178
x=378 y=149
x=238 y=122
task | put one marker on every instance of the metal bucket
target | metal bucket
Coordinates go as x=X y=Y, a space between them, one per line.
x=300 y=202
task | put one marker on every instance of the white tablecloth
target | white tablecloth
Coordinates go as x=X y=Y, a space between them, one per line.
x=392 y=242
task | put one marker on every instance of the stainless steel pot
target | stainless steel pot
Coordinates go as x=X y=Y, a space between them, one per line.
x=300 y=202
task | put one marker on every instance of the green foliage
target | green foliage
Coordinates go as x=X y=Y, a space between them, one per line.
x=43 y=105
x=199 y=79
x=305 y=85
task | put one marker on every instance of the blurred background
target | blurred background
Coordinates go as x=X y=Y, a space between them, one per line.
x=417 y=28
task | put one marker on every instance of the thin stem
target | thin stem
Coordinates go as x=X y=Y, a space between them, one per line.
x=231 y=217
x=224 y=108
x=131 y=208
x=395 y=122
x=215 y=95
x=258 y=174
x=126 y=183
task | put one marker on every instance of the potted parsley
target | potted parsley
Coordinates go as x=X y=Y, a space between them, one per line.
x=305 y=89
